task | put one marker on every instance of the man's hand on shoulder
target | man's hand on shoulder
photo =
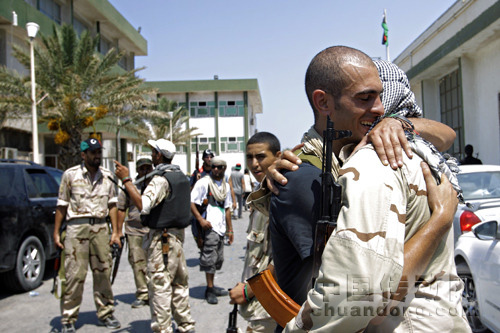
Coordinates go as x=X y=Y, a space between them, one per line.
x=389 y=140
x=287 y=161
x=442 y=198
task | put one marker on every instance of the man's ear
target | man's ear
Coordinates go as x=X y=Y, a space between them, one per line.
x=278 y=154
x=321 y=101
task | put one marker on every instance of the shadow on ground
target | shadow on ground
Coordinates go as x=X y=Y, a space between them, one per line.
x=192 y=262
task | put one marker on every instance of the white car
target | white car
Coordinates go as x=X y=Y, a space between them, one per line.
x=477 y=256
x=481 y=189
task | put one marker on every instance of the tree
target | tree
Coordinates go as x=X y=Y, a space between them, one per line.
x=172 y=127
x=81 y=87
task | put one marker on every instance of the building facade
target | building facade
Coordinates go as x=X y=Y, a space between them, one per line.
x=224 y=113
x=97 y=16
x=453 y=68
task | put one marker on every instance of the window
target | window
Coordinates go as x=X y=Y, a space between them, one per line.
x=231 y=108
x=105 y=44
x=451 y=108
x=232 y=144
x=40 y=184
x=203 y=143
x=79 y=26
x=202 y=109
x=50 y=8
x=123 y=62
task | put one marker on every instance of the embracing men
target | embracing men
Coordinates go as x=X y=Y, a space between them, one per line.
x=384 y=210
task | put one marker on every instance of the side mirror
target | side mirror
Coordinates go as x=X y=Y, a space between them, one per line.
x=486 y=230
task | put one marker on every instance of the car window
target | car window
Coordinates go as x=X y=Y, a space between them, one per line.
x=40 y=184
x=7 y=176
x=480 y=185
x=57 y=174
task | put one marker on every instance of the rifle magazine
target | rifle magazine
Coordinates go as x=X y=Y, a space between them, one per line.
x=276 y=302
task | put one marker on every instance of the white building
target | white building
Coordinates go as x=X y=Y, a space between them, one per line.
x=97 y=16
x=224 y=111
x=454 y=70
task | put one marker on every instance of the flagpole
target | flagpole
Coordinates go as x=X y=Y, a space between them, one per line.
x=387 y=56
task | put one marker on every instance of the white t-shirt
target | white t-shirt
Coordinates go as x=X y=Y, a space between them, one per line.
x=215 y=215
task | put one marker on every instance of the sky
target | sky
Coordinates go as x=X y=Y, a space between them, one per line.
x=272 y=41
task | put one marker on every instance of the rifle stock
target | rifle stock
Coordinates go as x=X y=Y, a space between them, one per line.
x=197 y=155
x=278 y=304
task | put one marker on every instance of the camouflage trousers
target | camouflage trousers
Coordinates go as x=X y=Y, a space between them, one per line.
x=86 y=244
x=137 y=259
x=262 y=326
x=168 y=286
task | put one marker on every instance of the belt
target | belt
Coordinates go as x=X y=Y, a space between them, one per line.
x=87 y=220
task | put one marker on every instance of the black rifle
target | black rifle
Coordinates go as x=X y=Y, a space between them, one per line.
x=116 y=252
x=331 y=193
x=233 y=315
x=57 y=260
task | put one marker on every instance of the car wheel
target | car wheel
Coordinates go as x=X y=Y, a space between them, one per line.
x=469 y=299
x=30 y=266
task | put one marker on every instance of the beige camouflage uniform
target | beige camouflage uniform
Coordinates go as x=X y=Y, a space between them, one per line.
x=168 y=287
x=257 y=258
x=364 y=258
x=135 y=232
x=86 y=243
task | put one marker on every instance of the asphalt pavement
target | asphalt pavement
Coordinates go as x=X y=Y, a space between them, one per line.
x=39 y=311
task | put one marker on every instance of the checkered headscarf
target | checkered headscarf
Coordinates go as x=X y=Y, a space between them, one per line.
x=398 y=98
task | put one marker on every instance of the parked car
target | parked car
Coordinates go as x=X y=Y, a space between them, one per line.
x=481 y=189
x=477 y=256
x=28 y=198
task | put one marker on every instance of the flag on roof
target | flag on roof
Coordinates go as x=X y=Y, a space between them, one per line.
x=385 y=36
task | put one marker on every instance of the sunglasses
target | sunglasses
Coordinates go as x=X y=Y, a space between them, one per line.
x=218 y=166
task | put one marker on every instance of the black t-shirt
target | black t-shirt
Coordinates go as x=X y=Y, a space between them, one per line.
x=194 y=176
x=293 y=216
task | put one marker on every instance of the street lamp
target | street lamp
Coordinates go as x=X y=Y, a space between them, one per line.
x=170 y=116
x=32 y=29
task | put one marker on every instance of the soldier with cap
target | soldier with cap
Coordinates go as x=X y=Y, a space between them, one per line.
x=164 y=207
x=204 y=169
x=135 y=231
x=210 y=205
x=86 y=197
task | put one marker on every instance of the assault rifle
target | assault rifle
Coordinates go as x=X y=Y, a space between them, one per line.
x=116 y=253
x=276 y=302
x=233 y=315
x=331 y=193
x=197 y=163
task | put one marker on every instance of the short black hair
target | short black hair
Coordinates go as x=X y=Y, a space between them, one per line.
x=266 y=137
x=325 y=71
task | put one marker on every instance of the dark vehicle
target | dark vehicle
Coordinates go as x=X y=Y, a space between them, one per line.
x=28 y=198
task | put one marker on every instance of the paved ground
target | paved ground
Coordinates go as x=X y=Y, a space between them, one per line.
x=25 y=313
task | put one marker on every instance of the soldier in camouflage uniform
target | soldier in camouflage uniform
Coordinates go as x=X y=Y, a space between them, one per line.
x=262 y=150
x=168 y=284
x=135 y=232
x=382 y=208
x=86 y=197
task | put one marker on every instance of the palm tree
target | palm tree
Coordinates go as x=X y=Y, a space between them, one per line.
x=172 y=127
x=79 y=85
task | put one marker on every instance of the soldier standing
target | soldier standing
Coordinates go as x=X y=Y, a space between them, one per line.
x=135 y=231
x=86 y=197
x=165 y=199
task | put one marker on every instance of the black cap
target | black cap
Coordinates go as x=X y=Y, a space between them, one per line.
x=90 y=144
x=207 y=152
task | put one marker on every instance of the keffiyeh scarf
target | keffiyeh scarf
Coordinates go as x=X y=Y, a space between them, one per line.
x=397 y=98
x=219 y=193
